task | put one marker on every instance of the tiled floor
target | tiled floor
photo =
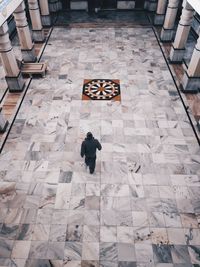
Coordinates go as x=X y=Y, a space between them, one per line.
x=142 y=206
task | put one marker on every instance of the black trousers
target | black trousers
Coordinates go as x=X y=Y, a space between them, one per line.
x=91 y=162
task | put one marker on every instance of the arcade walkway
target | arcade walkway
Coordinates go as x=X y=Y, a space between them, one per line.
x=142 y=206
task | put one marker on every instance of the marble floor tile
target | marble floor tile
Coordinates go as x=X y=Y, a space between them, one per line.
x=91 y=233
x=126 y=252
x=21 y=249
x=144 y=253
x=176 y=236
x=41 y=232
x=141 y=206
x=140 y=218
x=108 y=233
x=172 y=220
x=180 y=254
x=127 y=264
x=55 y=250
x=6 y=247
x=58 y=233
x=159 y=236
x=162 y=254
x=192 y=236
x=90 y=251
x=38 y=250
x=189 y=220
x=74 y=233
x=108 y=252
x=124 y=234
x=73 y=251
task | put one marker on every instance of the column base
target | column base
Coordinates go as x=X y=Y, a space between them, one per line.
x=190 y=84
x=146 y=4
x=55 y=5
x=152 y=6
x=46 y=20
x=159 y=19
x=3 y=123
x=176 y=55
x=28 y=55
x=38 y=36
x=15 y=84
x=167 y=35
x=3 y=129
x=125 y=5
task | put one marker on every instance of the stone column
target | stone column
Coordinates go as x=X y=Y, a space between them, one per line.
x=55 y=5
x=27 y=47
x=38 y=32
x=3 y=122
x=160 y=12
x=191 y=78
x=13 y=75
x=167 y=32
x=178 y=47
x=44 y=10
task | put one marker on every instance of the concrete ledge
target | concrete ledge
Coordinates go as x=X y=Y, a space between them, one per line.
x=125 y=4
x=78 y=5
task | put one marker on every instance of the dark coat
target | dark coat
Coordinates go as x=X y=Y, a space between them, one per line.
x=89 y=147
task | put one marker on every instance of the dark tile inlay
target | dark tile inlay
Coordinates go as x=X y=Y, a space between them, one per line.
x=65 y=177
x=127 y=264
x=162 y=253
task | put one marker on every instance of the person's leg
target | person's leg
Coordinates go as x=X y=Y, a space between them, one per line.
x=92 y=165
x=86 y=161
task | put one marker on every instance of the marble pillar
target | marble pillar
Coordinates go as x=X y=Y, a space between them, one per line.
x=13 y=75
x=160 y=12
x=55 y=5
x=27 y=47
x=44 y=10
x=178 y=47
x=3 y=122
x=38 y=32
x=167 y=32
x=191 y=78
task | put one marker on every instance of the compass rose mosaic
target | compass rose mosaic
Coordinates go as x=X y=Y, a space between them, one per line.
x=101 y=89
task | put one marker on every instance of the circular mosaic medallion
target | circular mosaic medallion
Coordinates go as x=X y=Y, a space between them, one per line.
x=101 y=89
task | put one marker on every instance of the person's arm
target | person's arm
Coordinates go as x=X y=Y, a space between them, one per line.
x=99 y=145
x=83 y=149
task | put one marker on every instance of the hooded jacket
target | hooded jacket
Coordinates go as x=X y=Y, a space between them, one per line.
x=89 y=147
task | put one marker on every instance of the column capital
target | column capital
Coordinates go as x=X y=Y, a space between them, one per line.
x=186 y=17
x=186 y=5
x=13 y=75
x=197 y=46
x=38 y=32
x=20 y=16
x=5 y=44
x=173 y=3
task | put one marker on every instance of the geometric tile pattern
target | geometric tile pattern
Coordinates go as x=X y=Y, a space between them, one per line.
x=101 y=89
x=142 y=205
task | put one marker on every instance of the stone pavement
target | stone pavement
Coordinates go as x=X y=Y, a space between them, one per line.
x=142 y=206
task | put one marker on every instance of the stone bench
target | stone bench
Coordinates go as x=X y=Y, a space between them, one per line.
x=34 y=68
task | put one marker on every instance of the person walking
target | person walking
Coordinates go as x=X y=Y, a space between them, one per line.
x=88 y=149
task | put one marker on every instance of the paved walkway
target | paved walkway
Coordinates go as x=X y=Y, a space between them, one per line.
x=142 y=206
